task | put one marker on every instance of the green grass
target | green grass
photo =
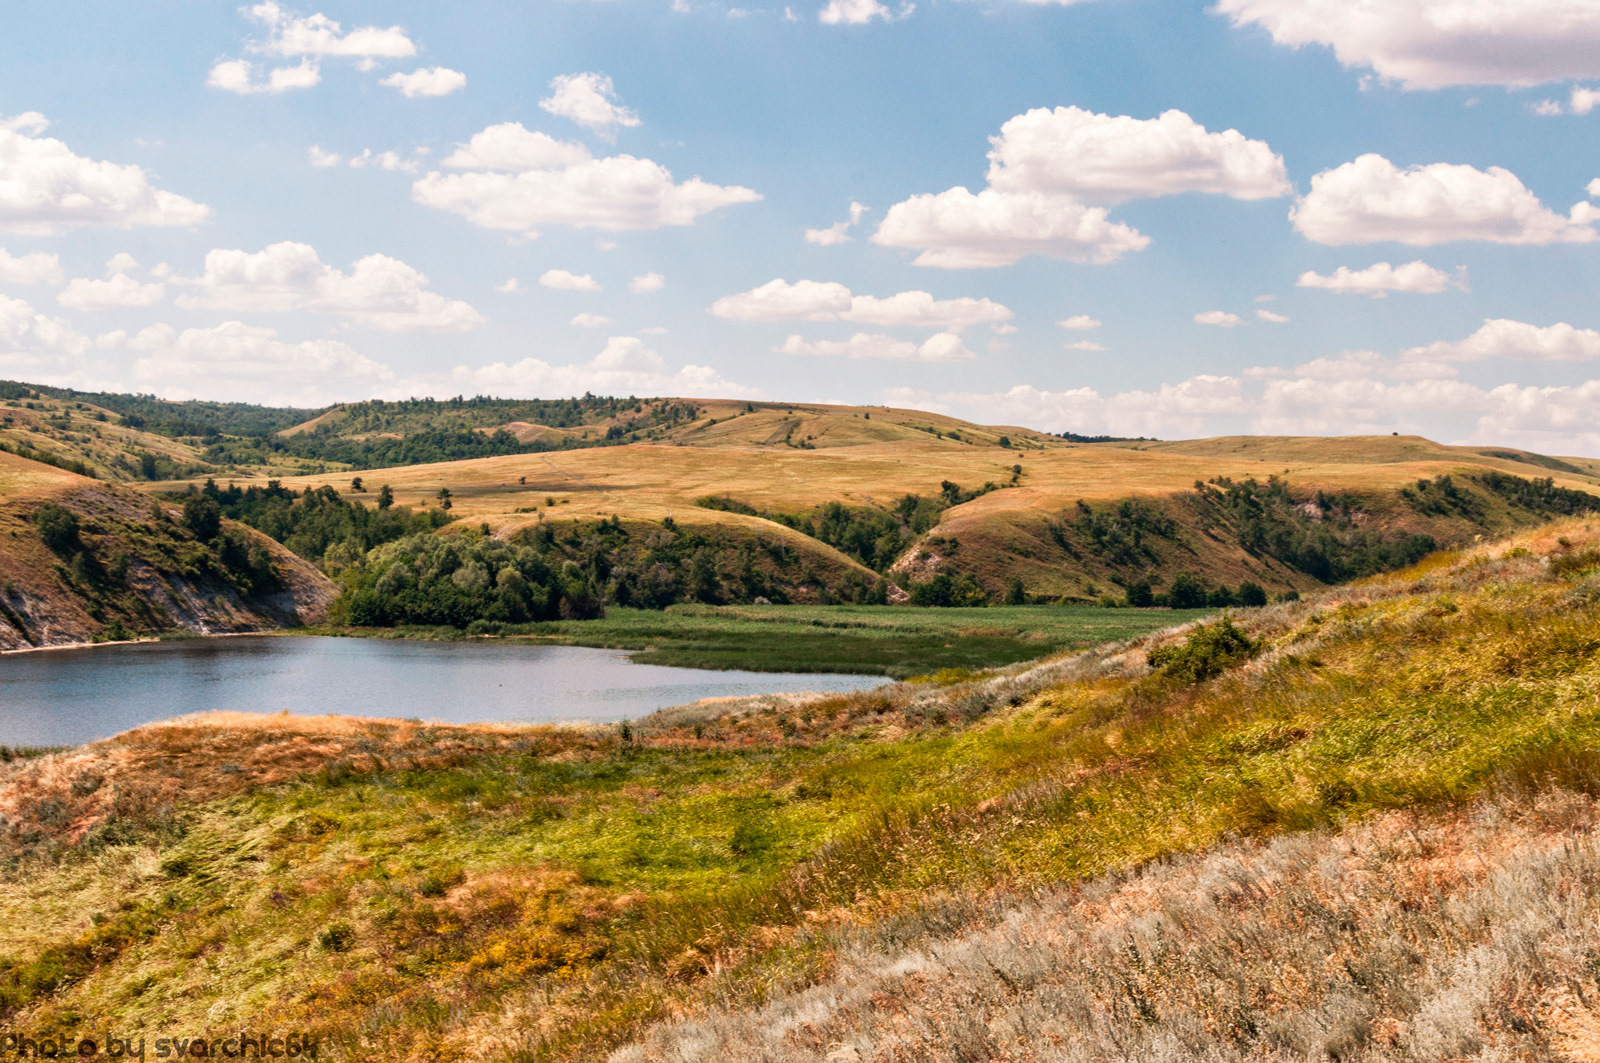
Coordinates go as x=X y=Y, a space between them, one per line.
x=896 y=641
x=559 y=895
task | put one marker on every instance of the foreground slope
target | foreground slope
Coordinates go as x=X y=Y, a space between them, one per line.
x=979 y=870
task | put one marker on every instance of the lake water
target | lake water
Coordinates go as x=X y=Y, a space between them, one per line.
x=67 y=697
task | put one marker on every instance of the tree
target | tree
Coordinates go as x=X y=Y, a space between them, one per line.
x=355 y=484
x=1139 y=594
x=1251 y=594
x=202 y=516
x=444 y=498
x=1016 y=594
x=385 y=497
x=57 y=527
x=1186 y=592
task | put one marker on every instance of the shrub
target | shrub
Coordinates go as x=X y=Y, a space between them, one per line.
x=1210 y=650
x=57 y=526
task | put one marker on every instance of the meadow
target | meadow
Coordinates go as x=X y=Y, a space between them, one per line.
x=895 y=641
x=762 y=880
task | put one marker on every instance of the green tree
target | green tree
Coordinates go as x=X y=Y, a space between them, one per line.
x=356 y=485
x=1251 y=594
x=1016 y=593
x=57 y=527
x=1186 y=592
x=385 y=497
x=1140 y=595
x=202 y=516
x=444 y=498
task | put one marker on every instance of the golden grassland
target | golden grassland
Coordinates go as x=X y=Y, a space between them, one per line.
x=1383 y=805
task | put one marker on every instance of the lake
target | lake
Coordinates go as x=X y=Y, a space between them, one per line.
x=67 y=697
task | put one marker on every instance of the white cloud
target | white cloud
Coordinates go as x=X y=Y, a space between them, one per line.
x=590 y=101
x=239 y=76
x=510 y=147
x=1500 y=338
x=1583 y=100
x=625 y=366
x=943 y=347
x=590 y=321
x=958 y=230
x=236 y=362
x=36 y=267
x=836 y=233
x=1546 y=108
x=319 y=36
x=384 y=160
x=46 y=189
x=427 y=81
x=1085 y=345
x=116 y=291
x=379 y=292
x=1320 y=406
x=31 y=342
x=1593 y=188
x=1105 y=159
x=560 y=183
x=30 y=123
x=1174 y=411
x=804 y=300
x=854 y=12
x=647 y=282
x=1428 y=44
x=566 y=281
x=1371 y=200
x=510 y=287
x=1271 y=318
x=1219 y=318
x=778 y=300
x=1381 y=278
x=323 y=159
x=1079 y=323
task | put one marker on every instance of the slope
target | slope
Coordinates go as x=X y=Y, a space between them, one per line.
x=985 y=870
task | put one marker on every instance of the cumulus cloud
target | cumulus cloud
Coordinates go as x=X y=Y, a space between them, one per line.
x=836 y=233
x=1048 y=170
x=31 y=342
x=647 y=282
x=47 y=189
x=30 y=123
x=589 y=100
x=427 y=81
x=384 y=160
x=1106 y=159
x=1501 y=338
x=322 y=160
x=1271 y=318
x=319 y=36
x=1429 y=44
x=804 y=300
x=857 y=12
x=519 y=181
x=237 y=362
x=624 y=366
x=511 y=287
x=1381 y=278
x=1079 y=323
x=567 y=281
x=242 y=77
x=36 y=267
x=1371 y=200
x=956 y=229
x=1219 y=318
x=379 y=292
x=1174 y=411
x=590 y=321
x=943 y=347
x=1583 y=100
x=1085 y=345
x=117 y=290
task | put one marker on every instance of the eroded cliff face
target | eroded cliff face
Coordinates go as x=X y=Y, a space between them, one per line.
x=131 y=567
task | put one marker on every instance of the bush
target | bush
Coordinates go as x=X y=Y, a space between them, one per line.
x=1252 y=595
x=1210 y=650
x=57 y=527
x=1186 y=592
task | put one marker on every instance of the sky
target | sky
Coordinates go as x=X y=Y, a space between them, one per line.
x=1137 y=217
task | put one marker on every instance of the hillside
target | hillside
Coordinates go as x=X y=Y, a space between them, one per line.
x=84 y=560
x=1356 y=826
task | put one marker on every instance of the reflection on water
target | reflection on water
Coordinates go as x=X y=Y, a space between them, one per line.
x=65 y=697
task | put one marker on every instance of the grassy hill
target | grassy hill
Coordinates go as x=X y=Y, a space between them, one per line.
x=82 y=560
x=1354 y=826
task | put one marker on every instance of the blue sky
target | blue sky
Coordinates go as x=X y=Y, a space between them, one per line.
x=1178 y=219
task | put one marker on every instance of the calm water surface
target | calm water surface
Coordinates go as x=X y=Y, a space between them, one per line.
x=66 y=697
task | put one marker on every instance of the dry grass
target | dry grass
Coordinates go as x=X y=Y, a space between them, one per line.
x=1412 y=937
